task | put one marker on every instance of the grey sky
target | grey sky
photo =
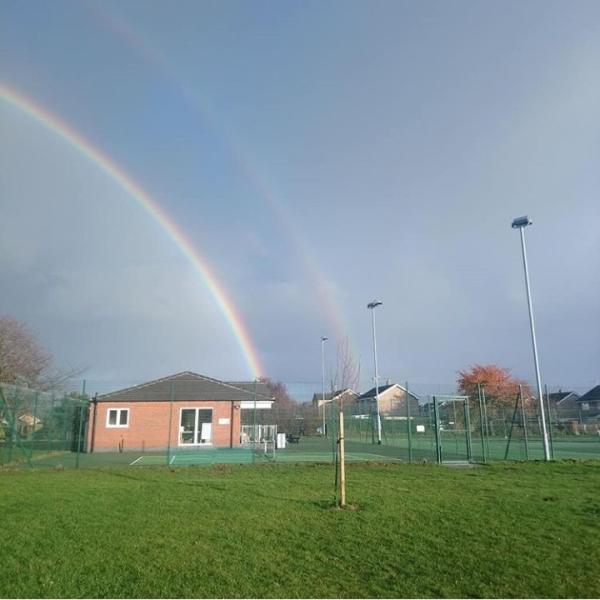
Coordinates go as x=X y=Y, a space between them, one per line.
x=397 y=139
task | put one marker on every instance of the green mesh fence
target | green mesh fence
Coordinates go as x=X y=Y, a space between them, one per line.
x=42 y=429
x=35 y=425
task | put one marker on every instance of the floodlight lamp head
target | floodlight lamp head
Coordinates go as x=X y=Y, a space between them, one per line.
x=519 y=222
x=374 y=304
x=324 y=338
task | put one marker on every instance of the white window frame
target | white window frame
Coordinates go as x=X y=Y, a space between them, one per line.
x=196 y=432
x=118 y=425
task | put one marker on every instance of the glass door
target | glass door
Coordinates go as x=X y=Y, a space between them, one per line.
x=204 y=432
x=187 y=426
x=195 y=426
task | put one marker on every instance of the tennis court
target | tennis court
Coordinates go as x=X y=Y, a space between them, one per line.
x=309 y=450
x=322 y=450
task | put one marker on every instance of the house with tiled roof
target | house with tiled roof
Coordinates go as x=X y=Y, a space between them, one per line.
x=589 y=403
x=564 y=404
x=393 y=400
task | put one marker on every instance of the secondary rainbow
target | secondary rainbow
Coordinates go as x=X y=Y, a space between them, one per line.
x=320 y=284
x=151 y=206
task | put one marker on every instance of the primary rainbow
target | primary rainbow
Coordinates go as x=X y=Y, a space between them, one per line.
x=320 y=285
x=151 y=206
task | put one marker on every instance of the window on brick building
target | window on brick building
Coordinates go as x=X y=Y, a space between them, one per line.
x=117 y=417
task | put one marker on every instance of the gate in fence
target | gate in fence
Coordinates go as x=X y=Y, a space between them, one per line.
x=452 y=426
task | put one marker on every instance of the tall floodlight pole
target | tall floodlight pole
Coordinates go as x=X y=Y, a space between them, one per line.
x=520 y=224
x=372 y=306
x=323 y=340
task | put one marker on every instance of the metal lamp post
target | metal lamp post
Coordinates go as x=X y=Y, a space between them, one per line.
x=323 y=340
x=372 y=306
x=520 y=223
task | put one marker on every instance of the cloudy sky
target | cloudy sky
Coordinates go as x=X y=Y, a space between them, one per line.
x=317 y=155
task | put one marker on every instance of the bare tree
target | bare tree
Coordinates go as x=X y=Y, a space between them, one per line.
x=347 y=369
x=278 y=390
x=23 y=359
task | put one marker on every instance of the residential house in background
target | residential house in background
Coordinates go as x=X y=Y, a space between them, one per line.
x=393 y=400
x=27 y=424
x=564 y=405
x=589 y=403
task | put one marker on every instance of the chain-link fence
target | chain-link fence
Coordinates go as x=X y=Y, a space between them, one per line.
x=189 y=419
x=35 y=424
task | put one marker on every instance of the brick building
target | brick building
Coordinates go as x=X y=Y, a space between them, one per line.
x=185 y=410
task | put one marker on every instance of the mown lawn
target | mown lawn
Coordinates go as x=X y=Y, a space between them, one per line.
x=512 y=530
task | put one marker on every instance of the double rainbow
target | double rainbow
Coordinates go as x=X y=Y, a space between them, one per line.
x=321 y=286
x=51 y=122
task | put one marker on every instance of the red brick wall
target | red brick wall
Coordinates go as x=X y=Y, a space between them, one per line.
x=149 y=425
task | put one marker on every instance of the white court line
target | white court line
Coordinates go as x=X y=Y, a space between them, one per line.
x=382 y=456
x=133 y=463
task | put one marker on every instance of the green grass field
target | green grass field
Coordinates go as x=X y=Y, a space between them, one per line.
x=508 y=530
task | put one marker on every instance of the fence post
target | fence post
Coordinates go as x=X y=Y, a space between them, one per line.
x=468 y=428
x=79 y=431
x=431 y=422
x=172 y=394
x=12 y=427
x=551 y=437
x=35 y=406
x=410 y=454
x=254 y=441
x=80 y=423
x=524 y=418
x=481 y=424
x=334 y=431
x=4 y=411
x=487 y=423
x=436 y=419
x=53 y=431
x=65 y=433
x=93 y=427
x=334 y=455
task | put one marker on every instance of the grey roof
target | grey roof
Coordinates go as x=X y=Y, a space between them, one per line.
x=186 y=386
x=261 y=388
x=558 y=397
x=372 y=391
x=592 y=396
x=382 y=388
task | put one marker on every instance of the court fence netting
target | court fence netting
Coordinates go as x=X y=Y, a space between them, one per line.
x=436 y=424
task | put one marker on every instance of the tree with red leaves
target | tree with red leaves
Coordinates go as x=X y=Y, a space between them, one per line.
x=498 y=382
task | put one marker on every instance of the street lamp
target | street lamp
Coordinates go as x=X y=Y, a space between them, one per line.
x=520 y=223
x=323 y=340
x=372 y=306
